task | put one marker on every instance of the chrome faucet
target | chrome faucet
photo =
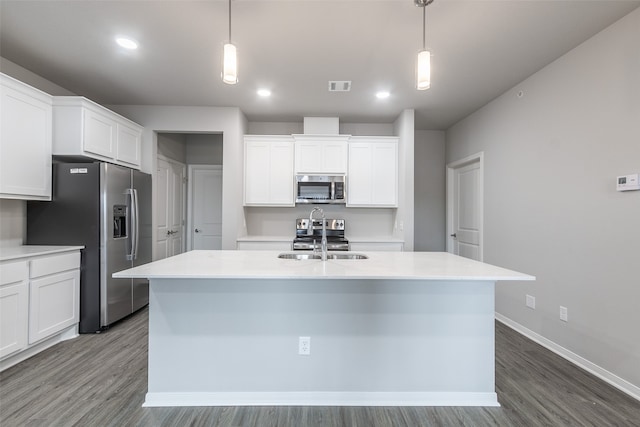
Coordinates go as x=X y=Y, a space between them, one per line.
x=324 y=232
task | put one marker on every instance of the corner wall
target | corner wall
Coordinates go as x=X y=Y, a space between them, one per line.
x=430 y=191
x=553 y=146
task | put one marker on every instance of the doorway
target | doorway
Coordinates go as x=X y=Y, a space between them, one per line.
x=188 y=192
x=204 y=207
x=465 y=188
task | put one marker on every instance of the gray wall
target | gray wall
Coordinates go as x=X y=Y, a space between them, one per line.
x=172 y=145
x=551 y=160
x=430 y=188
x=204 y=149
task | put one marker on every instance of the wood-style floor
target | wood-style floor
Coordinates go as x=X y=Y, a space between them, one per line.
x=101 y=380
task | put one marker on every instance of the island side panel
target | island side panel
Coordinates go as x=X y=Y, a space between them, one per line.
x=235 y=341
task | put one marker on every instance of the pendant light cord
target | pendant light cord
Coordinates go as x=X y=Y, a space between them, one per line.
x=424 y=26
x=229 y=21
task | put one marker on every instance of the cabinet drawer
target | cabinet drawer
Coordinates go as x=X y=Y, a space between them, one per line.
x=13 y=272
x=55 y=264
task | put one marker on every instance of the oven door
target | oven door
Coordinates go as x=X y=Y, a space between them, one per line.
x=313 y=192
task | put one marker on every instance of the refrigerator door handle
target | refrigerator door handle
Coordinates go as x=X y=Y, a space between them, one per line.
x=133 y=217
x=136 y=226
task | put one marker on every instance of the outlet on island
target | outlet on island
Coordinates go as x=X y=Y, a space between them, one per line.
x=304 y=346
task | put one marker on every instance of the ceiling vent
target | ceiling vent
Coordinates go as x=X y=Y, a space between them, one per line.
x=339 y=85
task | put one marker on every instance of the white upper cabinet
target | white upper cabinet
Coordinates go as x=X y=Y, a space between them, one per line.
x=25 y=141
x=83 y=128
x=373 y=172
x=321 y=154
x=268 y=171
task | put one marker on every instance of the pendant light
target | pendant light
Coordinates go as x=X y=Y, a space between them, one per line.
x=423 y=65
x=229 y=59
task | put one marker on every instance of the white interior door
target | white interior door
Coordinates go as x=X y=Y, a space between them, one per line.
x=464 y=204
x=205 y=202
x=170 y=207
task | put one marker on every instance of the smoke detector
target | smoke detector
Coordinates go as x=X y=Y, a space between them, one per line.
x=339 y=85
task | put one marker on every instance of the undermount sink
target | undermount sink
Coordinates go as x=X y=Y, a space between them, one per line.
x=301 y=256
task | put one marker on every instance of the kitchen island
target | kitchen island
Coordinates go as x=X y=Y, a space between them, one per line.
x=398 y=328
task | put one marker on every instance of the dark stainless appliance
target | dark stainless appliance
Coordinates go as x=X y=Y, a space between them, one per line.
x=335 y=235
x=320 y=189
x=107 y=209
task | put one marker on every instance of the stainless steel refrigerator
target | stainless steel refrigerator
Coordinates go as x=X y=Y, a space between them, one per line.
x=107 y=208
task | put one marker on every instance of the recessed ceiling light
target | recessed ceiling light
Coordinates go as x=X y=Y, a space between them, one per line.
x=382 y=95
x=264 y=92
x=127 y=43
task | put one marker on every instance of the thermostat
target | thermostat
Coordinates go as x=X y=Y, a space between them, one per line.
x=628 y=182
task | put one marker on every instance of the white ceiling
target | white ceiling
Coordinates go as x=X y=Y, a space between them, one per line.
x=480 y=49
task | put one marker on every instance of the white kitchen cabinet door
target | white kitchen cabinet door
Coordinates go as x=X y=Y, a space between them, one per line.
x=25 y=141
x=99 y=134
x=54 y=304
x=14 y=307
x=268 y=171
x=128 y=144
x=373 y=172
x=82 y=128
x=320 y=155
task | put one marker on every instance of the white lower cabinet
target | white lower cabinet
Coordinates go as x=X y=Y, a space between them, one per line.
x=247 y=245
x=39 y=298
x=53 y=305
x=376 y=246
x=14 y=307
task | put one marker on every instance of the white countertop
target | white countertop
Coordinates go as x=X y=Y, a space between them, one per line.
x=17 y=252
x=267 y=265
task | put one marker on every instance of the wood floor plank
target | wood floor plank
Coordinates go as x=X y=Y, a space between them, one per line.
x=101 y=380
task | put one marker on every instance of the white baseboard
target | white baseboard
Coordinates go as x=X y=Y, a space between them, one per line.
x=66 y=334
x=322 y=399
x=619 y=383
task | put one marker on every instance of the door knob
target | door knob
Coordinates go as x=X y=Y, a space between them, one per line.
x=198 y=230
x=453 y=235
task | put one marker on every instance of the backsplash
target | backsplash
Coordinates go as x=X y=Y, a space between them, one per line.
x=13 y=219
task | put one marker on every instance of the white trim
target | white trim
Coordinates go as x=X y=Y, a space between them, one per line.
x=322 y=399
x=190 y=171
x=608 y=377
x=478 y=157
x=68 y=333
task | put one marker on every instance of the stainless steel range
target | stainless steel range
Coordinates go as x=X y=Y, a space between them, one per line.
x=335 y=235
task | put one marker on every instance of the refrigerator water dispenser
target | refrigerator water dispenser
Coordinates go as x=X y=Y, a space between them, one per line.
x=119 y=221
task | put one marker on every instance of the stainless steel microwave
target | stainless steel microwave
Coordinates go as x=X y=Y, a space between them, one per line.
x=321 y=189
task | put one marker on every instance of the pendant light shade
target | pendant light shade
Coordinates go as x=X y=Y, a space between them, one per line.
x=229 y=59
x=229 y=64
x=423 y=63
x=423 y=74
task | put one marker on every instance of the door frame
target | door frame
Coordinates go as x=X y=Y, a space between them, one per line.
x=190 y=171
x=451 y=169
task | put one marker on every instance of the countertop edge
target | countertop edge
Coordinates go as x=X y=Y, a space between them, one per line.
x=29 y=251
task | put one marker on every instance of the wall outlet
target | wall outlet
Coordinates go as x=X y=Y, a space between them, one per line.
x=304 y=346
x=564 y=315
x=531 y=302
